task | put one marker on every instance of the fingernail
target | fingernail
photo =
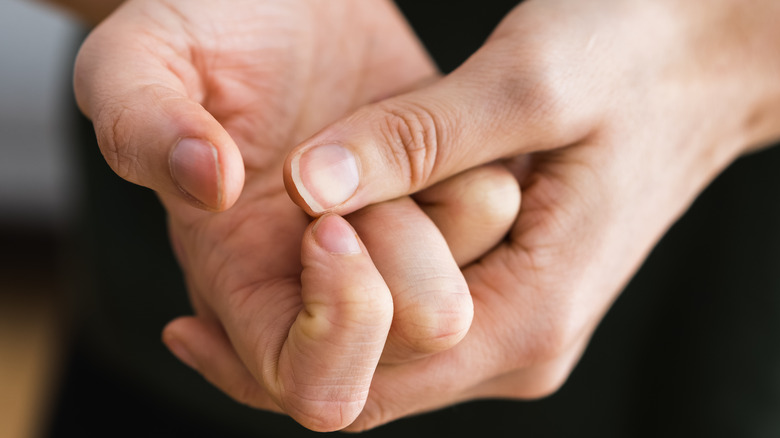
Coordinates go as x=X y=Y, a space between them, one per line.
x=325 y=176
x=182 y=354
x=195 y=170
x=335 y=235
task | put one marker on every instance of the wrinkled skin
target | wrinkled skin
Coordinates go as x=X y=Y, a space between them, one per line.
x=300 y=317
x=613 y=115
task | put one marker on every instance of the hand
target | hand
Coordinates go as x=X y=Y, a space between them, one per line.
x=614 y=115
x=185 y=95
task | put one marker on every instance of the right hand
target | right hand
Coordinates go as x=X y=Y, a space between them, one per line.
x=188 y=94
x=616 y=114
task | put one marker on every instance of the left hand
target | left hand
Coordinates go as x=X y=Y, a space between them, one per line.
x=185 y=95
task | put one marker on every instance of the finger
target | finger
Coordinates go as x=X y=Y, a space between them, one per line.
x=473 y=210
x=329 y=358
x=194 y=289
x=150 y=126
x=431 y=301
x=315 y=346
x=484 y=111
x=202 y=345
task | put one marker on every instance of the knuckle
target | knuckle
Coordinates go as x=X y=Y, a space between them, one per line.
x=536 y=92
x=544 y=334
x=533 y=98
x=549 y=386
x=322 y=415
x=414 y=136
x=548 y=345
x=436 y=322
x=549 y=381
x=493 y=195
x=367 y=309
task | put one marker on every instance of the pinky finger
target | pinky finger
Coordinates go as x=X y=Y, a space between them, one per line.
x=203 y=345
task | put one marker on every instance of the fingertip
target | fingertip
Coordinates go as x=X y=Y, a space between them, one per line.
x=173 y=328
x=474 y=210
x=328 y=360
x=335 y=235
x=175 y=340
x=195 y=169
x=205 y=177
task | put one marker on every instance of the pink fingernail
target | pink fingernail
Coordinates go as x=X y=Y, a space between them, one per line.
x=335 y=235
x=325 y=176
x=194 y=166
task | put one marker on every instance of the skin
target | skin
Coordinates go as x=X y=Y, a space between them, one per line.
x=612 y=115
x=615 y=115
x=300 y=311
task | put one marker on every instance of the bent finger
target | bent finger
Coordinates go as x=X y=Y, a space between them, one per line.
x=473 y=210
x=202 y=345
x=433 y=308
x=325 y=366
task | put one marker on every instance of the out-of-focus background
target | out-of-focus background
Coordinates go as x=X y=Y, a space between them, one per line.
x=36 y=51
x=38 y=195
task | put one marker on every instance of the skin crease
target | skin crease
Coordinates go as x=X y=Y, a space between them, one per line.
x=616 y=115
x=627 y=110
x=304 y=328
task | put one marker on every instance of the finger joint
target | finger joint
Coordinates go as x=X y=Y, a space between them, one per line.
x=413 y=134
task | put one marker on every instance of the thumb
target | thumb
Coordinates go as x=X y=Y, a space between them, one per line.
x=482 y=112
x=149 y=128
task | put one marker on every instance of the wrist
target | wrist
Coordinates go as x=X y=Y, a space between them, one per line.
x=742 y=41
